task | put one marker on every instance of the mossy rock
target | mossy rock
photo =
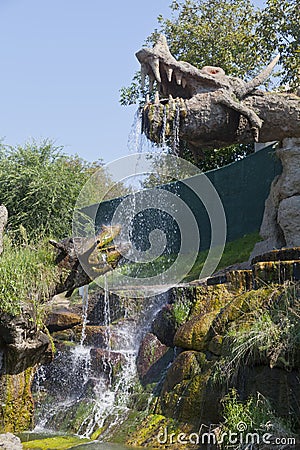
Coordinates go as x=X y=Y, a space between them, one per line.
x=211 y=298
x=16 y=413
x=129 y=426
x=186 y=389
x=70 y=419
x=239 y=309
x=55 y=443
x=153 y=429
x=192 y=335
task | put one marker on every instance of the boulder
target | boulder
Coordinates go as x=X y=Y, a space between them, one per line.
x=3 y=222
x=153 y=359
x=58 y=320
x=106 y=362
x=164 y=325
x=9 y=441
x=289 y=219
x=192 y=334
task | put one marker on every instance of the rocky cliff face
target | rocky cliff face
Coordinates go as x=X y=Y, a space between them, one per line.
x=240 y=334
x=281 y=221
x=22 y=347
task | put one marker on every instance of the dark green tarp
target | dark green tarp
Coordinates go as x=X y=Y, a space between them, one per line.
x=243 y=187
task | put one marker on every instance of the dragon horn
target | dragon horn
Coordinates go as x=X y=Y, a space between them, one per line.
x=262 y=77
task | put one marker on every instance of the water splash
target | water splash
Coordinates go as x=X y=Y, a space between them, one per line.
x=105 y=399
x=107 y=333
x=84 y=292
x=137 y=140
x=176 y=125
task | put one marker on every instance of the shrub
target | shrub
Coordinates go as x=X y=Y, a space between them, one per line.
x=39 y=185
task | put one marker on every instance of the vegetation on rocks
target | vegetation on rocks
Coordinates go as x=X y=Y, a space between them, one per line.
x=254 y=415
x=54 y=443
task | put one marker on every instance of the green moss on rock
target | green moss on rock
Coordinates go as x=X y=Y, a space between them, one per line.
x=192 y=335
x=16 y=412
x=55 y=443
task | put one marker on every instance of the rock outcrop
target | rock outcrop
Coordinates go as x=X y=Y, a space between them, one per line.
x=231 y=339
x=281 y=221
x=22 y=347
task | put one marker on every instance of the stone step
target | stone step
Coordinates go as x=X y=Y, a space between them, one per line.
x=283 y=254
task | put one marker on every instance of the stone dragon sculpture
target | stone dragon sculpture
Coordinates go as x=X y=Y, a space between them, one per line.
x=208 y=87
x=82 y=260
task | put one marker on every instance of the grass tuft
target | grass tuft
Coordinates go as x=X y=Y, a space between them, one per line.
x=27 y=275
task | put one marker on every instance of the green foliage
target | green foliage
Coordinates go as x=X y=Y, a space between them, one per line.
x=279 y=29
x=273 y=334
x=255 y=415
x=39 y=185
x=181 y=311
x=27 y=274
x=219 y=33
x=212 y=158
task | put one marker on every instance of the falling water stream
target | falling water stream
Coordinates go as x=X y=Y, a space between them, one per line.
x=73 y=394
x=70 y=383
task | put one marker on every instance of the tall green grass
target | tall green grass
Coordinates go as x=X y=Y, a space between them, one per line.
x=27 y=275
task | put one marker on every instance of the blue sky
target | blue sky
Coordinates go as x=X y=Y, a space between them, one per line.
x=62 y=65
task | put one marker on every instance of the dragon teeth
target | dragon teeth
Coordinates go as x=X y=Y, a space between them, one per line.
x=156 y=101
x=178 y=77
x=169 y=73
x=151 y=83
x=184 y=83
x=154 y=64
x=144 y=73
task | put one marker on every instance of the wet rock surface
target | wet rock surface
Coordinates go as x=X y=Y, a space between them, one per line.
x=153 y=359
x=62 y=320
x=164 y=325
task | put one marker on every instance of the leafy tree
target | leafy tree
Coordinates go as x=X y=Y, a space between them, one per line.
x=39 y=185
x=279 y=28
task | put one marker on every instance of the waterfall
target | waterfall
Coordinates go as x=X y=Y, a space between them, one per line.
x=84 y=292
x=87 y=388
x=137 y=140
x=176 y=124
